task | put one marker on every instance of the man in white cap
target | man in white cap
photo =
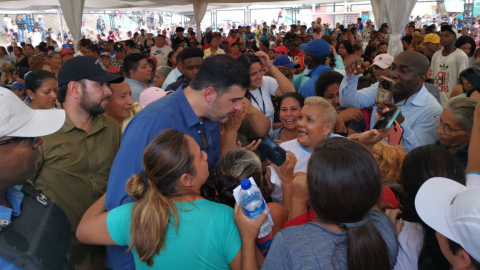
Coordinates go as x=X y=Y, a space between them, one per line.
x=40 y=24
x=453 y=211
x=29 y=221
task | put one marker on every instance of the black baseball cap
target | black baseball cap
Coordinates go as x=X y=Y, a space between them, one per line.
x=85 y=67
x=447 y=28
x=179 y=29
x=118 y=47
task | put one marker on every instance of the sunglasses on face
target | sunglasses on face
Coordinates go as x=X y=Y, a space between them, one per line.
x=25 y=141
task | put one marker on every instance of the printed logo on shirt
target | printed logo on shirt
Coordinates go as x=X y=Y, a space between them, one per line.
x=441 y=81
x=158 y=52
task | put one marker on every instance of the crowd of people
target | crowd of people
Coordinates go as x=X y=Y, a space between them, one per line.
x=125 y=153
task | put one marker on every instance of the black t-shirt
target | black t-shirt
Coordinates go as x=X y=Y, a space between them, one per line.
x=290 y=37
x=177 y=41
x=22 y=63
x=367 y=58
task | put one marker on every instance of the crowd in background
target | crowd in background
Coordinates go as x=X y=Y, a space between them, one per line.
x=135 y=142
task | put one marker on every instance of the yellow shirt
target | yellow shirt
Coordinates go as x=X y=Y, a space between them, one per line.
x=208 y=52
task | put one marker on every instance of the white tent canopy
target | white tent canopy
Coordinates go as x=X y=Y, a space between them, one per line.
x=394 y=12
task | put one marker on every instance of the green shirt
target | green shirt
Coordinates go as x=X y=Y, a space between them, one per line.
x=299 y=80
x=207 y=236
x=74 y=167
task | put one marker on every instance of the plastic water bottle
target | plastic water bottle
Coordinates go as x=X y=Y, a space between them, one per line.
x=253 y=205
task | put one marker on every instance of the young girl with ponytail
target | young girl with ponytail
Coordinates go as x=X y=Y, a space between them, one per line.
x=169 y=225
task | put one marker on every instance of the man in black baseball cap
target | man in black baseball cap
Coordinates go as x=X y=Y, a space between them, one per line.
x=76 y=160
x=117 y=59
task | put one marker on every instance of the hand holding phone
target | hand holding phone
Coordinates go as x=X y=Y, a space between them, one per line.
x=272 y=152
x=385 y=121
x=385 y=90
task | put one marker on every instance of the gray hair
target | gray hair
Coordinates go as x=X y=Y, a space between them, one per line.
x=53 y=53
x=330 y=114
x=463 y=109
x=240 y=163
x=9 y=65
x=164 y=71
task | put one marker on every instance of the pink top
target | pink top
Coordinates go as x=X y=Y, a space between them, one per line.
x=317 y=36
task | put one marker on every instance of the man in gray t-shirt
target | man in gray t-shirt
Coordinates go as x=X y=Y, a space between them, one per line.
x=312 y=246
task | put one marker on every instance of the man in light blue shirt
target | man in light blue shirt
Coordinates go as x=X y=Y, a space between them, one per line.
x=418 y=106
x=316 y=59
x=137 y=73
x=171 y=78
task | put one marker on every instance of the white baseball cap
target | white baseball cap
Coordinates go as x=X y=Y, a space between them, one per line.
x=18 y=120
x=383 y=60
x=453 y=210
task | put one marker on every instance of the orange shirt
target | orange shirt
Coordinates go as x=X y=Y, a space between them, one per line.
x=232 y=40
x=113 y=69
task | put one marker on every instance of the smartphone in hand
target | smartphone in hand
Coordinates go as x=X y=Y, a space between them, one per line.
x=385 y=121
x=272 y=152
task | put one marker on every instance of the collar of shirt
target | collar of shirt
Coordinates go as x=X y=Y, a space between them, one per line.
x=14 y=197
x=181 y=80
x=417 y=99
x=177 y=72
x=135 y=82
x=316 y=71
x=97 y=125
x=190 y=117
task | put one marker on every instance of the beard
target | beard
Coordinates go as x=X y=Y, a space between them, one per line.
x=213 y=112
x=91 y=106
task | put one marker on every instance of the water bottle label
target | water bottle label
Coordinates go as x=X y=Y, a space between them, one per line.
x=256 y=212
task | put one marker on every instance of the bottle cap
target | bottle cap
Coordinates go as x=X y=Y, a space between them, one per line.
x=245 y=184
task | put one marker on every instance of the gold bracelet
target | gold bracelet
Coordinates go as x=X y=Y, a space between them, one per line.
x=276 y=69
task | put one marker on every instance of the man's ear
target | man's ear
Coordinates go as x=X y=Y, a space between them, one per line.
x=210 y=94
x=75 y=89
x=180 y=67
x=463 y=260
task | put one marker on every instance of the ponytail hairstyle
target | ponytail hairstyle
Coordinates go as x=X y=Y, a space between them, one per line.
x=165 y=159
x=421 y=164
x=344 y=183
x=240 y=163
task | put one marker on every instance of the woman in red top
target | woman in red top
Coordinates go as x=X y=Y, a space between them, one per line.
x=235 y=50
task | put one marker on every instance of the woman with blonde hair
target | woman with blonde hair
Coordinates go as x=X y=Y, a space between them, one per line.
x=315 y=123
x=168 y=213
x=417 y=41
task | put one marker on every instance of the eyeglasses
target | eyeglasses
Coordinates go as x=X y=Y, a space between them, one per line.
x=446 y=128
x=25 y=141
